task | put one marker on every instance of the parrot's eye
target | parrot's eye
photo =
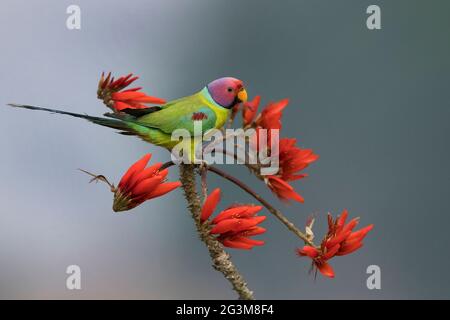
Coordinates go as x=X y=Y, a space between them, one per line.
x=230 y=89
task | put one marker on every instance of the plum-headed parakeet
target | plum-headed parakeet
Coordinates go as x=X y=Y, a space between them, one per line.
x=211 y=106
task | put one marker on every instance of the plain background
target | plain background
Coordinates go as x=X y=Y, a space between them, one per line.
x=373 y=104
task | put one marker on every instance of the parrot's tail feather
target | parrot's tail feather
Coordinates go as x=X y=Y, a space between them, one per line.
x=111 y=123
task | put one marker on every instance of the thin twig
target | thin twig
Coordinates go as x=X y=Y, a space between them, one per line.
x=99 y=177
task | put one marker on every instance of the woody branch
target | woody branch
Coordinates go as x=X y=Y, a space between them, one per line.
x=220 y=259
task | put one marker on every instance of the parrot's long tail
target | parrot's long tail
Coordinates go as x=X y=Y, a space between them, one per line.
x=111 y=123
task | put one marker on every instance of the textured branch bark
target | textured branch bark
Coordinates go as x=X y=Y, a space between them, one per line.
x=220 y=259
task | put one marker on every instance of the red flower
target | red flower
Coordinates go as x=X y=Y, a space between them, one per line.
x=112 y=93
x=270 y=117
x=234 y=225
x=139 y=184
x=249 y=110
x=282 y=189
x=293 y=159
x=339 y=241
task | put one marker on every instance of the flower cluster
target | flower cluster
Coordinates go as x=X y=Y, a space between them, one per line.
x=235 y=225
x=139 y=184
x=114 y=96
x=340 y=240
x=292 y=159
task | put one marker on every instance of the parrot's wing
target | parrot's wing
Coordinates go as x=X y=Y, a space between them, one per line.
x=141 y=112
x=181 y=115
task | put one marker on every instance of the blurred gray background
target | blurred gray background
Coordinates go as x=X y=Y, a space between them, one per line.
x=373 y=104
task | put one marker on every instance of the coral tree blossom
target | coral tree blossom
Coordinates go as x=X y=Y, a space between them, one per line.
x=270 y=117
x=114 y=96
x=339 y=241
x=292 y=160
x=283 y=190
x=139 y=184
x=235 y=225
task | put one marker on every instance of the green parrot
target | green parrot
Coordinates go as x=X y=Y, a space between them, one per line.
x=211 y=106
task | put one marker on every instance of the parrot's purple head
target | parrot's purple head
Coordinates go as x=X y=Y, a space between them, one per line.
x=227 y=91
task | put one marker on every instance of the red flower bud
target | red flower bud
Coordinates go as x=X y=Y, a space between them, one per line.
x=210 y=204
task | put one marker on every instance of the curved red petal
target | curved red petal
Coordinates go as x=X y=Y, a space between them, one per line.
x=360 y=234
x=210 y=204
x=254 y=231
x=250 y=109
x=325 y=269
x=133 y=89
x=249 y=241
x=126 y=83
x=225 y=226
x=144 y=174
x=283 y=190
x=337 y=239
x=127 y=95
x=237 y=212
x=163 y=173
x=119 y=106
x=138 y=166
x=234 y=212
x=349 y=248
x=236 y=245
x=351 y=225
x=247 y=223
x=146 y=187
x=331 y=252
x=308 y=251
x=236 y=225
x=164 y=188
x=341 y=219
x=150 y=99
